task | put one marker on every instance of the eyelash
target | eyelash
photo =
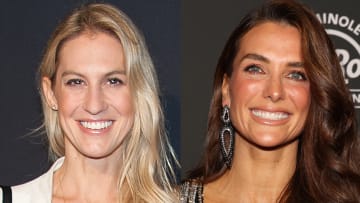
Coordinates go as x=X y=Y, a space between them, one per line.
x=299 y=73
x=115 y=81
x=74 y=82
x=255 y=69
x=77 y=82
x=251 y=68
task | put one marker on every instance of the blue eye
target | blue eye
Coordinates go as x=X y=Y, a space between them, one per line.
x=254 y=69
x=74 y=82
x=297 y=75
x=115 y=81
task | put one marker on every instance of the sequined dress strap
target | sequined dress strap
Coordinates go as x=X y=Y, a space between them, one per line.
x=191 y=191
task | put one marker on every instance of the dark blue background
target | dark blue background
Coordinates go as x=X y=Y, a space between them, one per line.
x=25 y=27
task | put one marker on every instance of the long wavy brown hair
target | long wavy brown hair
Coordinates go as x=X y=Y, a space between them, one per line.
x=329 y=156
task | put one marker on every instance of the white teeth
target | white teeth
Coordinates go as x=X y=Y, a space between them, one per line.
x=96 y=125
x=270 y=115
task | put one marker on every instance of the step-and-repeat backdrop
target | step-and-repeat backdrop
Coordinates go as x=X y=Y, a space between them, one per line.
x=344 y=30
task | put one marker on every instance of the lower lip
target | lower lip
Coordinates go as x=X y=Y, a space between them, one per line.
x=265 y=121
x=95 y=132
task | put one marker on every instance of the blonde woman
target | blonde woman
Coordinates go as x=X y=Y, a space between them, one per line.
x=102 y=115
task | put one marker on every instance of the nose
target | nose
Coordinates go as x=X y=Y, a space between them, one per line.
x=274 y=89
x=95 y=101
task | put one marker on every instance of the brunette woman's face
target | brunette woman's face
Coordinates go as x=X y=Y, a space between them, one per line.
x=92 y=93
x=268 y=92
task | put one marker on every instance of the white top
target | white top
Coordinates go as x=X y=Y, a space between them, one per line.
x=38 y=190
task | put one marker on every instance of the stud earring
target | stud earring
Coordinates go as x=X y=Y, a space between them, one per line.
x=54 y=107
x=227 y=147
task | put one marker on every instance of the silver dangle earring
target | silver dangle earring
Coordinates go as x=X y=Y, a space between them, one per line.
x=227 y=147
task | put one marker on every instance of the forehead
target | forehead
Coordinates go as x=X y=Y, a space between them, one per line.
x=271 y=30
x=272 y=37
x=87 y=38
x=91 y=49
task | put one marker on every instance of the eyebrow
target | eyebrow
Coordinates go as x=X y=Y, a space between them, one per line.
x=115 y=72
x=258 y=57
x=65 y=73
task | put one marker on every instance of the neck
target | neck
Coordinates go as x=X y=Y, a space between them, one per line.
x=83 y=179
x=258 y=175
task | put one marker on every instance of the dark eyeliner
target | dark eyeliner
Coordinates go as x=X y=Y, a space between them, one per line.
x=73 y=82
x=302 y=75
x=253 y=68
x=115 y=81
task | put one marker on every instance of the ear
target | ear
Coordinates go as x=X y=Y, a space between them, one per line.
x=225 y=91
x=49 y=93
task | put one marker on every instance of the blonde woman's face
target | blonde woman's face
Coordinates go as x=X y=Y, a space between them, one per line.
x=268 y=92
x=92 y=94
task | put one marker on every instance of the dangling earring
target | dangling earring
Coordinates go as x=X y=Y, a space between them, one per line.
x=227 y=129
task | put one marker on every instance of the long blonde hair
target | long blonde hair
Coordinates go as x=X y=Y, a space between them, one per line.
x=147 y=174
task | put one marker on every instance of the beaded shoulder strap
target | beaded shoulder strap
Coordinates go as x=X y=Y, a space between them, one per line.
x=191 y=191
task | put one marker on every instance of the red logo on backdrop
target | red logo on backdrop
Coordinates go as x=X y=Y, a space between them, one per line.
x=345 y=32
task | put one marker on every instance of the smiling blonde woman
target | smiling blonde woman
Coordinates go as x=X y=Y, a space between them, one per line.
x=102 y=115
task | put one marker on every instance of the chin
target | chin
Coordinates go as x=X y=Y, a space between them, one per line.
x=95 y=153
x=273 y=144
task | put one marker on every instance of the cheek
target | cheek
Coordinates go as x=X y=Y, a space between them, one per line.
x=242 y=90
x=122 y=102
x=67 y=101
x=300 y=96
